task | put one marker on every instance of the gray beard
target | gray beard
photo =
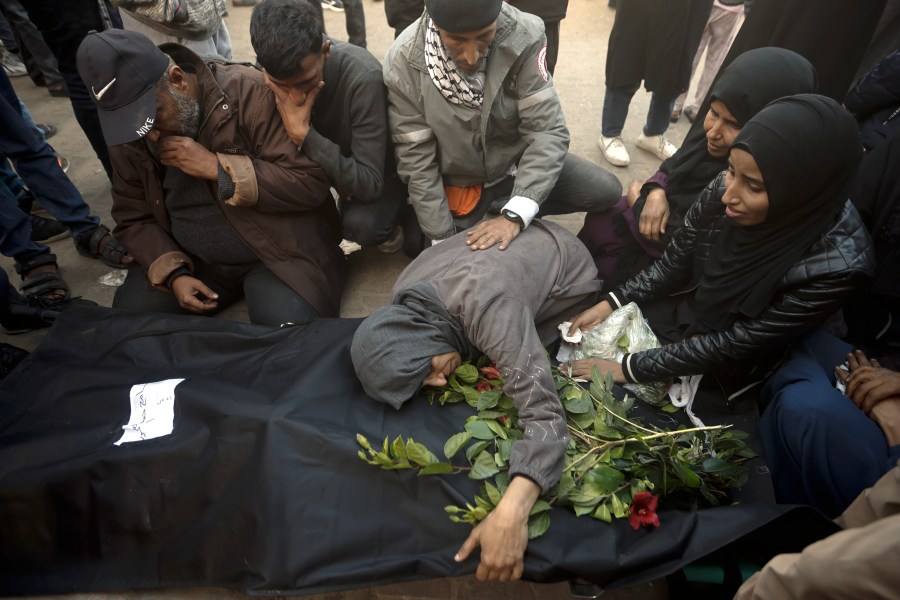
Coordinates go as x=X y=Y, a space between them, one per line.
x=188 y=119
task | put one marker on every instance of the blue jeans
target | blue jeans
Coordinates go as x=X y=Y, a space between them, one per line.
x=615 y=111
x=64 y=25
x=37 y=166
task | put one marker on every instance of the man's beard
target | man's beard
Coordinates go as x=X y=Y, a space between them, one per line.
x=188 y=119
x=188 y=114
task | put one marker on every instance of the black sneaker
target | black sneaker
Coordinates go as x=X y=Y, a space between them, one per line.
x=46 y=230
x=10 y=357
x=335 y=5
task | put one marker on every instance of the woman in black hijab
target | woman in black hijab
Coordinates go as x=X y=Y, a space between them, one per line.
x=769 y=250
x=635 y=232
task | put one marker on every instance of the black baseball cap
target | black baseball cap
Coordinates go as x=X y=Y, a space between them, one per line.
x=459 y=16
x=120 y=70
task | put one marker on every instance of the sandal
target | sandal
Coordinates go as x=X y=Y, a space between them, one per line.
x=111 y=253
x=47 y=289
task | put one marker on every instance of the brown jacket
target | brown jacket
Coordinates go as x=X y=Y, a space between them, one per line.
x=281 y=208
x=860 y=562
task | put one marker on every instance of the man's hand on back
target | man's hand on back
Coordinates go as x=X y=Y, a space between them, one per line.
x=487 y=233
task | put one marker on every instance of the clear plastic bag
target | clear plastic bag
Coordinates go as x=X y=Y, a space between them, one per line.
x=624 y=331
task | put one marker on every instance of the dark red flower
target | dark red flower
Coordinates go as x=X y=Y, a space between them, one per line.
x=643 y=510
x=503 y=419
x=484 y=386
x=491 y=372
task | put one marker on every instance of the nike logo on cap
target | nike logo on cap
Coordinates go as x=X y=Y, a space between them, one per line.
x=99 y=94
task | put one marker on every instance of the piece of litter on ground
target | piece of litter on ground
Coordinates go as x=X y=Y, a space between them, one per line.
x=349 y=247
x=113 y=278
x=564 y=330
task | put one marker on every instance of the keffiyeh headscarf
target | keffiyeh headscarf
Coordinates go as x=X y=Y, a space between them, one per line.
x=456 y=88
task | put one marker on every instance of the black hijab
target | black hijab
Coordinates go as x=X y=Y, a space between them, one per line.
x=806 y=147
x=754 y=79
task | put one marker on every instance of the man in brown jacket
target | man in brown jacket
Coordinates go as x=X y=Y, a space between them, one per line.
x=210 y=195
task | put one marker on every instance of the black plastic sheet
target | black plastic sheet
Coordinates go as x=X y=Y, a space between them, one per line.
x=260 y=487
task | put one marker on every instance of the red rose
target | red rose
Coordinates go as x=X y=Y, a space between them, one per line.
x=643 y=510
x=503 y=419
x=484 y=386
x=491 y=372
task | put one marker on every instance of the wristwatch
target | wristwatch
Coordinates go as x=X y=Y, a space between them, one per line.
x=514 y=217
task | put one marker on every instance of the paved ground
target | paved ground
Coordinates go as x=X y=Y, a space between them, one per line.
x=579 y=79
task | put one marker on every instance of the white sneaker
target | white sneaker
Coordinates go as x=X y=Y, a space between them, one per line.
x=614 y=151
x=656 y=144
x=12 y=64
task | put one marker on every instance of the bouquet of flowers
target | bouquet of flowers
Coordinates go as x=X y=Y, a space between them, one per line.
x=615 y=467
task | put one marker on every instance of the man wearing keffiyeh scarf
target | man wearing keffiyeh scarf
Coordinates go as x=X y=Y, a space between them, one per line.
x=478 y=128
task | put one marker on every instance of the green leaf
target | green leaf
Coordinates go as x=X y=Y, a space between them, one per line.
x=484 y=466
x=440 y=468
x=471 y=396
x=623 y=343
x=584 y=509
x=619 y=508
x=566 y=484
x=455 y=443
x=669 y=408
x=604 y=431
x=474 y=450
x=497 y=428
x=538 y=525
x=492 y=493
x=467 y=373
x=539 y=507
x=603 y=513
x=485 y=504
x=488 y=400
x=398 y=450
x=480 y=429
x=578 y=405
x=382 y=459
x=716 y=465
x=504 y=449
x=419 y=454
x=602 y=479
x=686 y=475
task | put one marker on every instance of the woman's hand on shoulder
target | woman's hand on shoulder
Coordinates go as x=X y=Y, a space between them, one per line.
x=590 y=318
x=655 y=215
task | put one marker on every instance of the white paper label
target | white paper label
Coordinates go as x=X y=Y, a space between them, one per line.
x=152 y=411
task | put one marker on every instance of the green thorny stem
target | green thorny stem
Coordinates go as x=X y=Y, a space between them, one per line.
x=609 y=445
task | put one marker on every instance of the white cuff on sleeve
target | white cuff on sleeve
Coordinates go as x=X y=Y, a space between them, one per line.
x=524 y=207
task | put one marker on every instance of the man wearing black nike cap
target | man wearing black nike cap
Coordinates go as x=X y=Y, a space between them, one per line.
x=210 y=195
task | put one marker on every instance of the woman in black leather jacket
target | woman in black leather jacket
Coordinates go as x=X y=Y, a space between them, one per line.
x=768 y=251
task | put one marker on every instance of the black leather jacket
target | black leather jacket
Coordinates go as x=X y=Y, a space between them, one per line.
x=814 y=288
